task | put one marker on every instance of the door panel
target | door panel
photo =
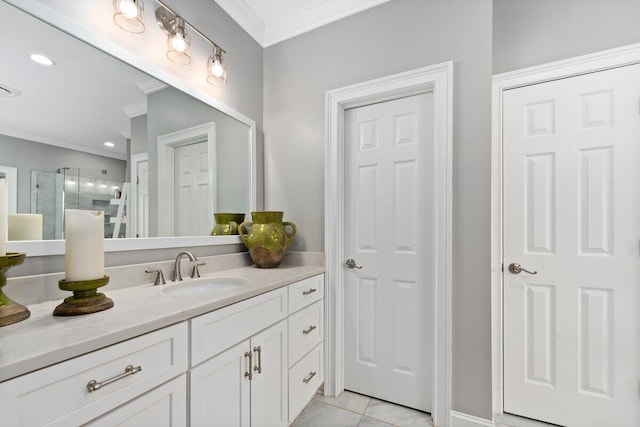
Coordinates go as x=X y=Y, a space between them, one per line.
x=192 y=190
x=571 y=209
x=389 y=177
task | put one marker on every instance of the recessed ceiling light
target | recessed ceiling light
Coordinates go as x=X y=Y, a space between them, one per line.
x=41 y=59
x=109 y=144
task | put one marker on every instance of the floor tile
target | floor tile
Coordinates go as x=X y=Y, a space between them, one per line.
x=318 y=414
x=347 y=400
x=511 y=420
x=396 y=415
x=372 y=422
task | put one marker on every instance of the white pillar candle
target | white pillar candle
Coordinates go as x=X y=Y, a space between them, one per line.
x=3 y=215
x=84 y=245
x=25 y=227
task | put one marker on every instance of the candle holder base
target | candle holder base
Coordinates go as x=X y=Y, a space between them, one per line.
x=10 y=311
x=85 y=299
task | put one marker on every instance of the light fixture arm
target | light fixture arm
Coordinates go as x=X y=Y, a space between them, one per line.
x=166 y=23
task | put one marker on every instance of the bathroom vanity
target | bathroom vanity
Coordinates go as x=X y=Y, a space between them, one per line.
x=247 y=355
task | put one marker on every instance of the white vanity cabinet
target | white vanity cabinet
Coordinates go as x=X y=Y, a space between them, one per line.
x=85 y=388
x=245 y=385
x=254 y=363
x=274 y=371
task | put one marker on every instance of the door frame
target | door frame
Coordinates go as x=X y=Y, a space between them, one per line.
x=133 y=179
x=167 y=145
x=599 y=61
x=439 y=80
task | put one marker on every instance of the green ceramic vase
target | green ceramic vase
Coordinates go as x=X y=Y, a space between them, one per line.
x=266 y=237
x=226 y=223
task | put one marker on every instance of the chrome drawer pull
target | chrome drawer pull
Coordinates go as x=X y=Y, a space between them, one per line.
x=94 y=385
x=258 y=350
x=310 y=291
x=311 y=375
x=247 y=374
x=311 y=328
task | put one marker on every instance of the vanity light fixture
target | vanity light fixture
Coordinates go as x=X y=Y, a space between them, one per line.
x=216 y=67
x=41 y=59
x=129 y=15
x=179 y=43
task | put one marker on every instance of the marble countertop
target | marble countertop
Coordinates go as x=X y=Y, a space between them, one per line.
x=43 y=340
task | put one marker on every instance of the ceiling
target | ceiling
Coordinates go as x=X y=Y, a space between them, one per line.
x=82 y=101
x=272 y=21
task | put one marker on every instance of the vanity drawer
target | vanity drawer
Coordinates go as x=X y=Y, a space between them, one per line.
x=59 y=395
x=214 y=332
x=306 y=330
x=305 y=378
x=305 y=292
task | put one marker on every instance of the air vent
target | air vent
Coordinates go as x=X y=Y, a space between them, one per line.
x=7 y=92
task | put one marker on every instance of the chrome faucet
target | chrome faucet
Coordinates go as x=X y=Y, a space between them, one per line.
x=177 y=275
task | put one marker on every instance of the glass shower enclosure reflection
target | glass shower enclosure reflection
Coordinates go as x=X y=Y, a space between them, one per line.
x=79 y=188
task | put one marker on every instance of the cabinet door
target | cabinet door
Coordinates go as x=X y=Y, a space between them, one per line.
x=163 y=406
x=269 y=387
x=220 y=392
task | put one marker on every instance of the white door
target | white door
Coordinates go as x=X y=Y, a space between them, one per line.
x=191 y=193
x=270 y=377
x=571 y=214
x=389 y=232
x=142 y=199
x=220 y=391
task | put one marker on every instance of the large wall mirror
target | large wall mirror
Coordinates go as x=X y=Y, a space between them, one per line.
x=91 y=132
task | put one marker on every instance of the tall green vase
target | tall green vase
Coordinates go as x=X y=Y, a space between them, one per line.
x=266 y=237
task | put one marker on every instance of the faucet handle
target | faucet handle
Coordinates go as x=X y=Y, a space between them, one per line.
x=159 y=280
x=195 y=273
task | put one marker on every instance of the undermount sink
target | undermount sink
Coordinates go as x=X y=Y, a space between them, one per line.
x=205 y=285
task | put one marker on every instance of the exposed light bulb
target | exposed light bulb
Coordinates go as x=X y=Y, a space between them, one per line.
x=128 y=9
x=178 y=42
x=217 y=69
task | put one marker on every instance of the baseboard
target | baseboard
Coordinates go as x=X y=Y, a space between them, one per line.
x=458 y=419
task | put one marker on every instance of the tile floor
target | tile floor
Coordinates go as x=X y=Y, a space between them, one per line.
x=356 y=410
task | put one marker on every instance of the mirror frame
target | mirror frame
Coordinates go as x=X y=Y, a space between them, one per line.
x=107 y=46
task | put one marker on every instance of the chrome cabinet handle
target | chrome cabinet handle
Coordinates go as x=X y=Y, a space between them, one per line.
x=351 y=263
x=310 y=291
x=307 y=331
x=94 y=385
x=258 y=350
x=516 y=268
x=248 y=374
x=311 y=375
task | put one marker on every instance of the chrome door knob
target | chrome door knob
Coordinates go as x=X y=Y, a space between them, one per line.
x=350 y=263
x=516 y=268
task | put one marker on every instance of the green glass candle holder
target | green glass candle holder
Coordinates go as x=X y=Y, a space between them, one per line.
x=85 y=300
x=10 y=311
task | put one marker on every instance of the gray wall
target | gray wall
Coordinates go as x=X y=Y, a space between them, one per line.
x=528 y=33
x=391 y=38
x=29 y=155
x=139 y=135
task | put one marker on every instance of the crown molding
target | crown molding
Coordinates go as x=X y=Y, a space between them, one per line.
x=135 y=109
x=295 y=23
x=240 y=12
x=150 y=86
x=62 y=144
